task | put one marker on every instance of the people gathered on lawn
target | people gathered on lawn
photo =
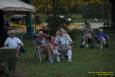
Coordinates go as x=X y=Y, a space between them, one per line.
x=59 y=46
x=98 y=40
x=60 y=49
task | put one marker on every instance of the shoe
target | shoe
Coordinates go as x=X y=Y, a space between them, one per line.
x=106 y=46
x=69 y=61
x=82 y=46
x=101 y=47
x=58 y=59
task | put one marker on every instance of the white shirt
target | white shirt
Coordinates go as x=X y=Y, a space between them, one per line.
x=13 y=42
x=64 y=39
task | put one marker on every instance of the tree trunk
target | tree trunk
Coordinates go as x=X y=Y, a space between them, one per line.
x=113 y=16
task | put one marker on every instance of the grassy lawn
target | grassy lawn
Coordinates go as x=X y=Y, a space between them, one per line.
x=85 y=62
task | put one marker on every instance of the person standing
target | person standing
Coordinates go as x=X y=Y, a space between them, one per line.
x=37 y=21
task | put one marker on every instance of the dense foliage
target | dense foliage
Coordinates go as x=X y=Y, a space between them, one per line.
x=91 y=7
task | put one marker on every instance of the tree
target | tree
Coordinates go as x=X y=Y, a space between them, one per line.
x=88 y=8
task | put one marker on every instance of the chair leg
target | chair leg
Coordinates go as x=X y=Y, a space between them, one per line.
x=50 y=53
x=39 y=55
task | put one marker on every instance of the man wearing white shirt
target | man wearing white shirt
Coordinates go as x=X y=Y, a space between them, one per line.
x=63 y=42
x=13 y=42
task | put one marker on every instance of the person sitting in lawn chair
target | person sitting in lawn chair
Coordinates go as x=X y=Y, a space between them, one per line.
x=13 y=42
x=102 y=39
x=63 y=46
x=42 y=46
x=87 y=36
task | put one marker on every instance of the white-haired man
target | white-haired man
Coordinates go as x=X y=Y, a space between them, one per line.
x=13 y=42
x=63 y=44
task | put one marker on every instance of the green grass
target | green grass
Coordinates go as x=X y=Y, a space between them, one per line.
x=84 y=61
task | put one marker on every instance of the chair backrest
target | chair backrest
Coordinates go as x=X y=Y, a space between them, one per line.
x=53 y=41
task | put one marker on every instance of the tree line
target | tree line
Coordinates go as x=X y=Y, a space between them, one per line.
x=91 y=8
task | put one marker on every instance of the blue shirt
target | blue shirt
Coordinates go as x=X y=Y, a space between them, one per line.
x=99 y=35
